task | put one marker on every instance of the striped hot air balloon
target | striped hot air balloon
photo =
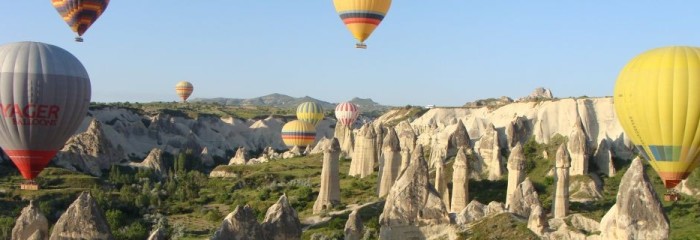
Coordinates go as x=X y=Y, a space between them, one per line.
x=80 y=14
x=346 y=113
x=361 y=17
x=310 y=112
x=657 y=101
x=44 y=96
x=298 y=133
x=184 y=90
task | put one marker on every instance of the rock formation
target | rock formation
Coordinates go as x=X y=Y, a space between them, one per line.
x=412 y=200
x=240 y=158
x=154 y=161
x=560 y=205
x=391 y=152
x=353 y=227
x=516 y=171
x=321 y=144
x=340 y=133
x=537 y=221
x=407 y=137
x=364 y=157
x=405 y=161
x=31 y=223
x=637 y=214
x=241 y=224
x=206 y=159
x=517 y=131
x=495 y=208
x=441 y=183
x=458 y=138
x=292 y=153
x=380 y=131
x=603 y=159
x=471 y=213
x=281 y=221
x=329 y=193
x=90 y=151
x=83 y=220
x=460 y=182
x=578 y=150
x=584 y=224
x=523 y=199
x=348 y=144
x=586 y=189
x=539 y=93
x=489 y=150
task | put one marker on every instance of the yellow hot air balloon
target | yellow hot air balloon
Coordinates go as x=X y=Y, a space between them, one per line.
x=310 y=112
x=361 y=17
x=298 y=133
x=184 y=90
x=657 y=100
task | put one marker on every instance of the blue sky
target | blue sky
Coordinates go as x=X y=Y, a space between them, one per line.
x=444 y=52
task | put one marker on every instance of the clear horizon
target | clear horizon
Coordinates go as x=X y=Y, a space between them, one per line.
x=445 y=54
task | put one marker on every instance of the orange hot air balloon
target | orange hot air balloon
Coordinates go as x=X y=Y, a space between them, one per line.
x=80 y=14
x=184 y=90
x=44 y=96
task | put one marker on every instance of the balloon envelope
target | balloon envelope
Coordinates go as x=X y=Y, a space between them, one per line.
x=657 y=101
x=184 y=90
x=310 y=112
x=298 y=133
x=44 y=96
x=361 y=17
x=346 y=113
x=80 y=14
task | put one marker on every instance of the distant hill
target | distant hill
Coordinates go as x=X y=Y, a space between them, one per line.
x=283 y=101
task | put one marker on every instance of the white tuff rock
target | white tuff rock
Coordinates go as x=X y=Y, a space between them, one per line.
x=83 y=220
x=516 y=171
x=561 y=192
x=460 y=182
x=364 y=157
x=637 y=214
x=31 y=223
x=329 y=193
x=281 y=221
x=241 y=224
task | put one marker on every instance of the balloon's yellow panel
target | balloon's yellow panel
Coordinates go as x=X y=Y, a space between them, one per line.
x=362 y=16
x=310 y=112
x=657 y=100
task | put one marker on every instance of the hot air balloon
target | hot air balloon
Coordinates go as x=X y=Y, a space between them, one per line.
x=657 y=101
x=184 y=90
x=346 y=113
x=361 y=17
x=80 y=14
x=44 y=96
x=298 y=133
x=310 y=112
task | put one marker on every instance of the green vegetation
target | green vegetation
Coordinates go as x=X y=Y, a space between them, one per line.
x=502 y=226
x=194 y=110
x=190 y=205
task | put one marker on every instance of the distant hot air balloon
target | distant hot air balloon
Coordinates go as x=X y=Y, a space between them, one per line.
x=80 y=14
x=361 y=17
x=298 y=133
x=346 y=113
x=184 y=90
x=44 y=96
x=657 y=101
x=310 y=112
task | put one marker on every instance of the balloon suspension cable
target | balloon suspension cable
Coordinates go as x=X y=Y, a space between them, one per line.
x=78 y=39
x=361 y=45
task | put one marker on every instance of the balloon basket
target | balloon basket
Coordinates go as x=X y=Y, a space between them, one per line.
x=672 y=197
x=78 y=39
x=31 y=186
x=361 y=46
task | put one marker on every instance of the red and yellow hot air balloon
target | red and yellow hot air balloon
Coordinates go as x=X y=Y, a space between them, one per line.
x=657 y=101
x=184 y=90
x=346 y=113
x=310 y=112
x=80 y=14
x=44 y=96
x=298 y=133
x=361 y=17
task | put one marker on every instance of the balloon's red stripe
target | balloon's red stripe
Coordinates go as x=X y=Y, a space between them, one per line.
x=30 y=162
